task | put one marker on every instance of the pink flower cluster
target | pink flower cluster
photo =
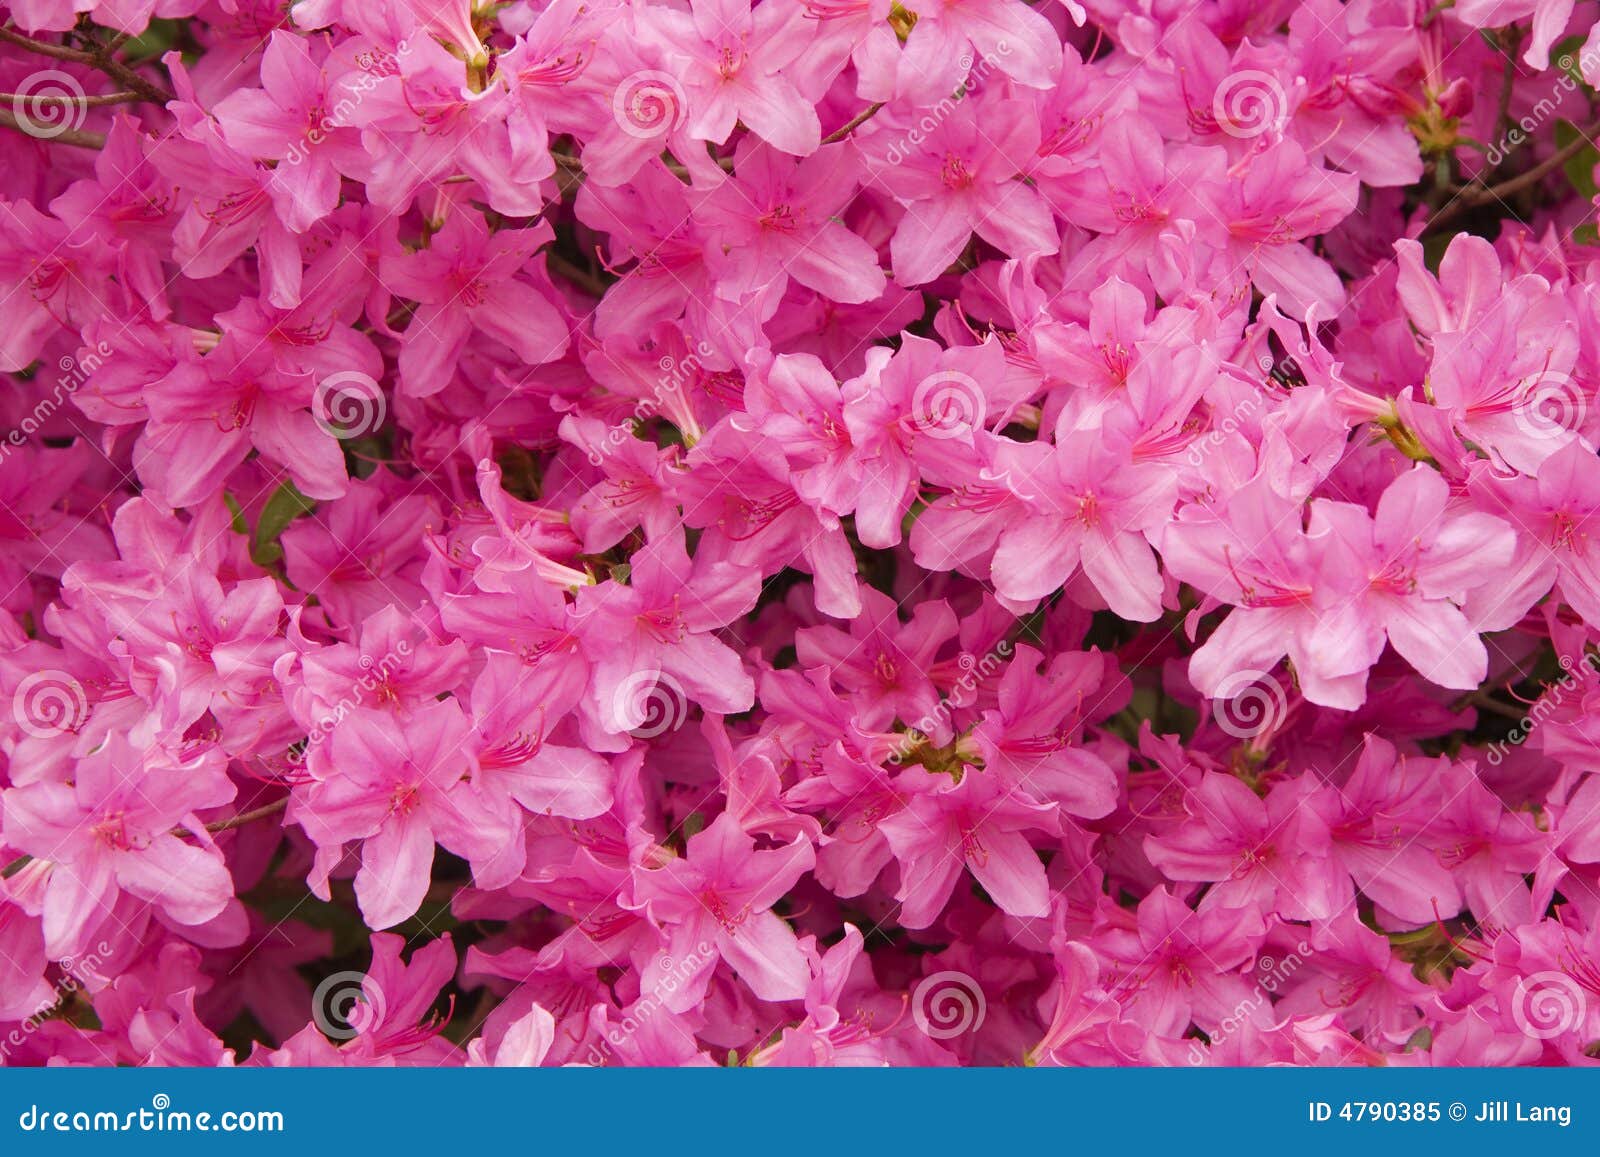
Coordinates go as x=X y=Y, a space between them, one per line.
x=799 y=532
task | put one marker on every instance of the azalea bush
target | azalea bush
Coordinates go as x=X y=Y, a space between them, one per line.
x=799 y=532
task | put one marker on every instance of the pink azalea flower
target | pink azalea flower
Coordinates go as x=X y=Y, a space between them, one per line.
x=1549 y=21
x=880 y=662
x=512 y=754
x=1353 y=971
x=976 y=823
x=922 y=408
x=52 y=280
x=467 y=281
x=1279 y=200
x=1178 y=964
x=716 y=904
x=870 y=533
x=959 y=179
x=1417 y=560
x=362 y=553
x=1555 y=510
x=1034 y=735
x=1003 y=34
x=398 y=793
x=764 y=524
x=111 y=832
x=1271 y=854
x=659 y=626
x=731 y=58
x=1379 y=824
x=290 y=120
x=1087 y=505
x=781 y=213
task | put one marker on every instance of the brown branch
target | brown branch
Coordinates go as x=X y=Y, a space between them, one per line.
x=118 y=71
x=101 y=58
x=54 y=51
x=1486 y=702
x=852 y=124
x=569 y=173
x=1539 y=172
x=1510 y=41
x=243 y=818
x=82 y=138
x=237 y=821
x=574 y=166
x=567 y=271
x=12 y=98
x=1513 y=674
x=1473 y=195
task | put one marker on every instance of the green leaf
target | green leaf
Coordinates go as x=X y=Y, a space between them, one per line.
x=159 y=38
x=236 y=515
x=285 y=505
x=1567 y=55
x=1433 y=249
x=1580 y=166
